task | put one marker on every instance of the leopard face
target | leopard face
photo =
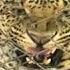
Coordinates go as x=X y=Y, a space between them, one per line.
x=38 y=33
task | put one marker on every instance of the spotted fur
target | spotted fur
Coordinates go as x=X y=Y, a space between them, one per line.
x=47 y=35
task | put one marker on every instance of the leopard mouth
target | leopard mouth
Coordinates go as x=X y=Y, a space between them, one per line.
x=43 y=55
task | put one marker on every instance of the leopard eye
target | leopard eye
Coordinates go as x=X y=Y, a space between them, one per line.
x=34 y=26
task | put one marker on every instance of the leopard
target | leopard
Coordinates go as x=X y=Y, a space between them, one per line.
x=43 y=33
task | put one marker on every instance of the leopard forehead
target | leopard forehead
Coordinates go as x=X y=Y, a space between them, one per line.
x=43 y=8
x=36 y=8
